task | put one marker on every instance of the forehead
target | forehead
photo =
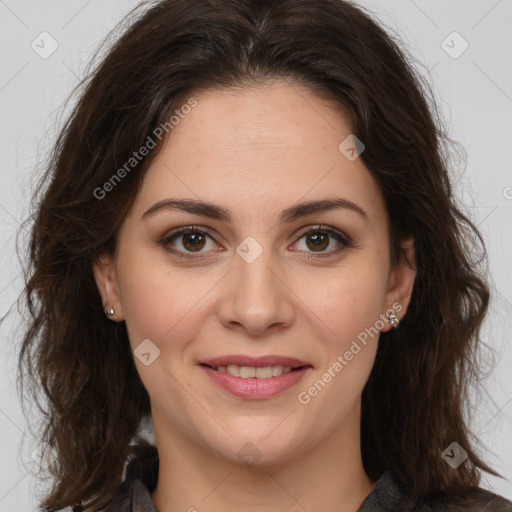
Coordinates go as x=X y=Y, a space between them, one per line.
x=260 y=147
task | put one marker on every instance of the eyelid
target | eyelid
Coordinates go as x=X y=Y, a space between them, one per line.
x=325 y=229
x=192 y=227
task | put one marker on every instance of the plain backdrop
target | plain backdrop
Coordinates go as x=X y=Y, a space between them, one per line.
x=463 y=47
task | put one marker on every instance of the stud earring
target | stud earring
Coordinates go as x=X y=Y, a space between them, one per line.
x=393 y=320
x=110 y=312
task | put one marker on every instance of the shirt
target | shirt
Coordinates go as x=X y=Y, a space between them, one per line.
x=386 y=496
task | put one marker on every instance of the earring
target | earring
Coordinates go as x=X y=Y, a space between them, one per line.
x=393 y=320
x=110 y=312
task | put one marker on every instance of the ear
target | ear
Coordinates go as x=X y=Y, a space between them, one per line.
x=106 y=280
x=401 y=282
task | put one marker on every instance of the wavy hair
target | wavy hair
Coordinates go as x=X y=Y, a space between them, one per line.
x=77 y=364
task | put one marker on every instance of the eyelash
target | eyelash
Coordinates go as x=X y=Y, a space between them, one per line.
x=342 y=239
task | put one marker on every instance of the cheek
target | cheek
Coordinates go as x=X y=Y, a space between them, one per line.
x=168 y=307
x=350 y=307
x=347 y=301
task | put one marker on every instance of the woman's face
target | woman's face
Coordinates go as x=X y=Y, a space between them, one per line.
x=254 y=275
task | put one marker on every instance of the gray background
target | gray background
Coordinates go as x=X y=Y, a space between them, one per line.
x=474 y=91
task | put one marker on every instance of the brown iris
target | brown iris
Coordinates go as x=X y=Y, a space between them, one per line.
x=319 y=241
x=193 y=241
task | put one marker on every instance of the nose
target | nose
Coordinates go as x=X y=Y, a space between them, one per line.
x=256 y=297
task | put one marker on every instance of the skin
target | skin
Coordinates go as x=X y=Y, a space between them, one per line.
x=256 y=152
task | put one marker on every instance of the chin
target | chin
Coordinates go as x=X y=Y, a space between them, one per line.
x=260 y=449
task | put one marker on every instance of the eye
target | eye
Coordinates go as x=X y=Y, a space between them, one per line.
x=192 y=242
x=189 y=239
x=324 y=241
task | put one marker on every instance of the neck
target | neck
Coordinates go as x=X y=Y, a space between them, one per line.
x=326 y=476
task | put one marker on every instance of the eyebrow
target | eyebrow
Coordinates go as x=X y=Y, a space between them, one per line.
x=205 y=209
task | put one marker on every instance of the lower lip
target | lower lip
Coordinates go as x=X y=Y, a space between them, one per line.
x=253 y=388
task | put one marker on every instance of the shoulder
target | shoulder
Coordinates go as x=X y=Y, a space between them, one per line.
x=478 y=500
x=140 y=478
x=388 y=496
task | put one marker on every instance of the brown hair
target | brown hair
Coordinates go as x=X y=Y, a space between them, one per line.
x=413 y=405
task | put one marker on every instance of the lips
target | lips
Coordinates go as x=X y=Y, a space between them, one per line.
x=255 y=388
x=255 y=378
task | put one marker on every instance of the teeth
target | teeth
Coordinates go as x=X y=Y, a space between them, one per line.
x=245 y=372
x=260 y=372
x=264 y=372
x=276 y=371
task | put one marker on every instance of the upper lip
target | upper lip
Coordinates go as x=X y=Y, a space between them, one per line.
x=241 y=360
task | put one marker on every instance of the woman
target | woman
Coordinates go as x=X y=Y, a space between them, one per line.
x=249 y=235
